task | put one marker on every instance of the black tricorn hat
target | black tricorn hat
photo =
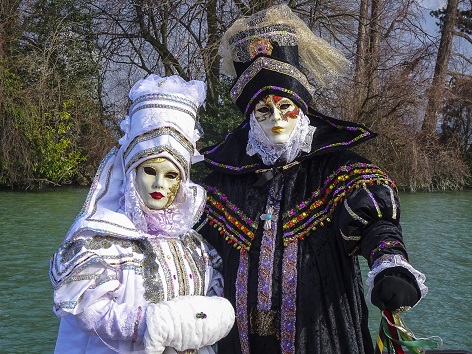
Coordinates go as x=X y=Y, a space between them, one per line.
x=274 y=52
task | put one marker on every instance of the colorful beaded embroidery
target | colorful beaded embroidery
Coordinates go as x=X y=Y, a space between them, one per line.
x=266 y=256
x=289 y=298
x=242 y=318
x=282 y=34
x=383 y=245
x=260 y=46
x=317 y=210
x=305 y=217
x=230 y=221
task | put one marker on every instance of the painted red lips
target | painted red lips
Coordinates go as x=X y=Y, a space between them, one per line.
x=156 y=195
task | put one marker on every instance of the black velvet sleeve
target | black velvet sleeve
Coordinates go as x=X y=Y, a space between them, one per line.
x=369 y=222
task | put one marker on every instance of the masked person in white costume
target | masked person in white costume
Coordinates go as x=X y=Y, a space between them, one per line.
x=131 y=275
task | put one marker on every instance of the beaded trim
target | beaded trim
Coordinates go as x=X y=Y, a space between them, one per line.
x=282 y=34
x=266 y=255
x=230 y=221
x=136 y=325
x=165 y=97
x=174 y=133
x=196 y=263
x=354 y=215
x=363 y=134
x=372 y=198
x=317 y=210
x=305 y=217
x=350 y=238
x=68 y=305
x=242 y=318
x=276 y=88
x=264 y=63
x=265 y=31
x=229 y=167
x=289 y=297
x=182 y=274
x=71 y=249
x=394 y=205
x=157 y=150
x=165 y=106
x=156 y=295
x=383 y=245
x=96 y=182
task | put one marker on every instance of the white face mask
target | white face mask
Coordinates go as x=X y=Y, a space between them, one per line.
x=157 y=182
x=277 y=117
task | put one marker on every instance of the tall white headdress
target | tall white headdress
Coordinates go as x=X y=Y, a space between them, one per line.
x=161 y=123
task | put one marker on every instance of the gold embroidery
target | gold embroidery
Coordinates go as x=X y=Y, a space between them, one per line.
x=265 y=322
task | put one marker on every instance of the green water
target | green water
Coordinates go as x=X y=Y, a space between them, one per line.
x=437 y=229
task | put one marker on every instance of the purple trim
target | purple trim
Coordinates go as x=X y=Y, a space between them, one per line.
x=266 y=255
x=242 y=318
x=136 y=325
x=289 y=298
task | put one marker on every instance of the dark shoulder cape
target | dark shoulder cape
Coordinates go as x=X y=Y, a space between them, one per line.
x=229 y=156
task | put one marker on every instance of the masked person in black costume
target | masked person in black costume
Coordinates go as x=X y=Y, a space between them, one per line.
x=290 y=207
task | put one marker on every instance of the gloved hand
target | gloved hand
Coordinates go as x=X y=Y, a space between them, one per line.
x=394 y=288
x=187 y=322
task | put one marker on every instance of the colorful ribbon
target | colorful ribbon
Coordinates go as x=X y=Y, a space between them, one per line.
x=394 y=335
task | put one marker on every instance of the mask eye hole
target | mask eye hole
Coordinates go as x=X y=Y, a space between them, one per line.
x=172 y=175
x=263 y=110
x=285 y=106
x=149 y=171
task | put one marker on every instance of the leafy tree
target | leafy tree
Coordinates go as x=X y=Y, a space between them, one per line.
x=50 y=81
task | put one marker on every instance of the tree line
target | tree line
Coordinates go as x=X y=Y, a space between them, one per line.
x=66 y=68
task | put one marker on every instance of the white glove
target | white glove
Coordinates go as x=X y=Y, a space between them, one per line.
x=187 y=322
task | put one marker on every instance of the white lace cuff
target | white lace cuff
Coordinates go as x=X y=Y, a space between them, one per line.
x=394 y=260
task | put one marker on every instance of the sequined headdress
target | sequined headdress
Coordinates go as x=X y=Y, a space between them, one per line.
x=161 y=121
x=274 y=52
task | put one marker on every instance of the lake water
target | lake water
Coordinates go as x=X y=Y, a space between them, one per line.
x=437 y=230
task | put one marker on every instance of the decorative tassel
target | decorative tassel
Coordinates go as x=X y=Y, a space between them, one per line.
x=394 y=335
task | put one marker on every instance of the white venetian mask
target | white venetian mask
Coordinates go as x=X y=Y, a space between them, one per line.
x=277 y=117
x=157 y=182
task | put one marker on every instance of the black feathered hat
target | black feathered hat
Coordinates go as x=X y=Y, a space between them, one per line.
x=274 y=52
